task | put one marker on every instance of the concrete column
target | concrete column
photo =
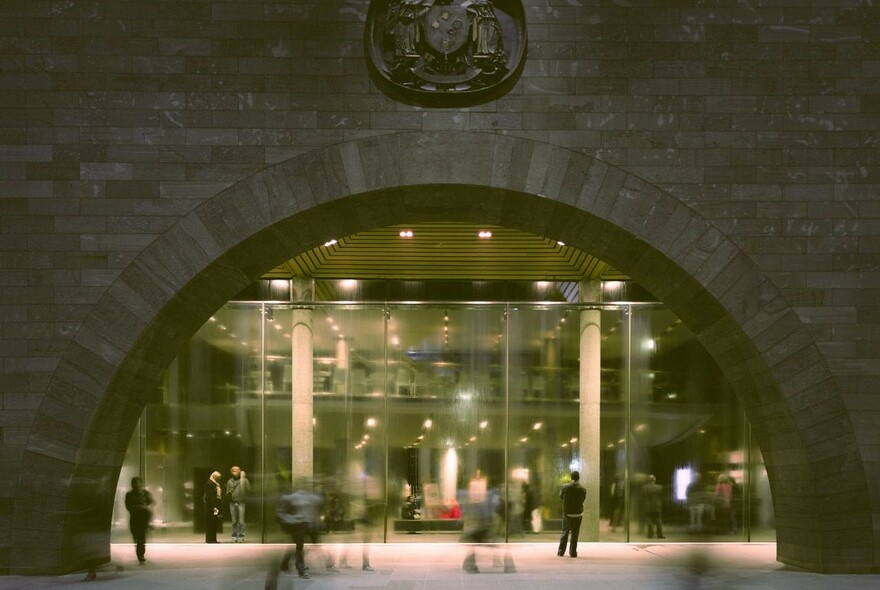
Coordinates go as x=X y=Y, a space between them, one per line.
x=302 y=358
x=590 y=397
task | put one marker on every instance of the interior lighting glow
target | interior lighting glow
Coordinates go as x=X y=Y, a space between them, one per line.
x=406 y=233
x=428 y=423
x=560 y=243
x=371 y=422
x=484 y=424
x=348 y=284
x=484 y=234
x=537 y=426
x=683 y=478
x=330 y=243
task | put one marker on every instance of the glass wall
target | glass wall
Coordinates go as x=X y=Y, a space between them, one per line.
x=410 y=419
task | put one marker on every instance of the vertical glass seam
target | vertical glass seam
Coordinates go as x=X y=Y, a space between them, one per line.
x=263 y=462
x=386 y=314
x=747 y=484
x=627 y=426
x=507 y=420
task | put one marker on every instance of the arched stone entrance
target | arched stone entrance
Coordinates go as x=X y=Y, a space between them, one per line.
x=67 y=482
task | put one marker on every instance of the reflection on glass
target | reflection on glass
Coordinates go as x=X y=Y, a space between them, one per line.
x=402 y=415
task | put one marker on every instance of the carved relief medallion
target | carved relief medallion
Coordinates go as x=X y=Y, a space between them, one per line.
x=446 y=52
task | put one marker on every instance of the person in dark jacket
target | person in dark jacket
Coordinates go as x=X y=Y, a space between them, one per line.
x=298 y=513
x=138 y=501
x=212 y=501
x=652 y=501
x=573 y=495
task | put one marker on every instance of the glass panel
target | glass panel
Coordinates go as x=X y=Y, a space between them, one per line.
x=446 y=405
x=614 y=419
x=556 y=394
x=327 y=367
x=760 y=509
x=687 y=443
x=207 y=417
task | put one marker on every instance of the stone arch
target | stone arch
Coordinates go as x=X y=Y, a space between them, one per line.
x=115 y=361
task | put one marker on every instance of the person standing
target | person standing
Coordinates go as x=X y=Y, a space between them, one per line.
x=652 y=497
x=138 y=501
x=211 y=499
x=696 y=495
x=573 y=495
x=722 y=496
x=237 y=489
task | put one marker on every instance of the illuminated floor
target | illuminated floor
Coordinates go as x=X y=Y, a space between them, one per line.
x=438 y=567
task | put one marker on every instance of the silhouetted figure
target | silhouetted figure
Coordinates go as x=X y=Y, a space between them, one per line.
x=212 y=501
x=573 y=495
x=652 y=504
x=138 y=502
x=618 y=503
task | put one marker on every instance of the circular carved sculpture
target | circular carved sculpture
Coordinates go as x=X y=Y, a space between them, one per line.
x=446 y=52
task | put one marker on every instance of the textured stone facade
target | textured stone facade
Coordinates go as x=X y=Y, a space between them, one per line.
x=156 y=156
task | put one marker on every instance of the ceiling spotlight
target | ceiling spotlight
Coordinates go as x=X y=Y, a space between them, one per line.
x=484 y=234
x=406 y=233
x=330 y=243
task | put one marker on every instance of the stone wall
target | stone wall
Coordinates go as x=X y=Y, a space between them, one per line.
x=120 y=118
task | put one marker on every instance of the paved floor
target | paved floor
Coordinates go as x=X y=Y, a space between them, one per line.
x=609 y=566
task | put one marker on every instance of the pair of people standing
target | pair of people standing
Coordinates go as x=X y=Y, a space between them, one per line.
x=237 y=488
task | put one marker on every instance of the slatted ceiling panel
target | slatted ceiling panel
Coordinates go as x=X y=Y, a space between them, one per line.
x=444 y=251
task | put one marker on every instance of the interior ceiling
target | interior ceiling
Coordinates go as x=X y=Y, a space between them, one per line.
x=446 y=251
